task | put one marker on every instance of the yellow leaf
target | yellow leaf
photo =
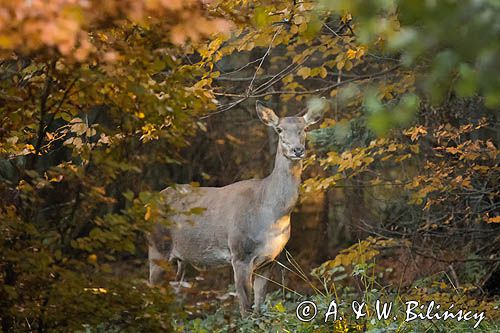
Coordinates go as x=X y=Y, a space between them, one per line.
x=392 y=147
x=234 y=139
x=147 y=216
x=322 y=72
x=279 y=307
x=360 y=52
x=56 y=179
x=351 y=54
x=78 y=142
x=288 y=78
x=305 y=72
x=452 y=150
x=346 y=17
x=495 y=219
x=416 y=132
x=298 y=19
x=12 y=140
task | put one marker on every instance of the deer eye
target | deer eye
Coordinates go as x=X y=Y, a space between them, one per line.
x=279 y=130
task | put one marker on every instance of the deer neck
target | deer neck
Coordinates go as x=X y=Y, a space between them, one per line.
x=282 y=185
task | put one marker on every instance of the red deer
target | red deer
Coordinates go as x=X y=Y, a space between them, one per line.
x=245 y=224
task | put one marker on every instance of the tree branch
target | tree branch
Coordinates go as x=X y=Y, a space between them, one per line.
x=43 y=111
x=257 y=94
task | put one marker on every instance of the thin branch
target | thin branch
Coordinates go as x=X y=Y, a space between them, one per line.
x=231 y=105
x=284 y=72
x=43 y=111
x=241 y=79
x=60 y=104
x=244 y=97
x=241 y=68
x=329 y=87
x=429 y=256
x=250 y=86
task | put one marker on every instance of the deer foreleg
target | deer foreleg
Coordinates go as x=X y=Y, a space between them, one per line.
x=243 y=281
x=259 y=286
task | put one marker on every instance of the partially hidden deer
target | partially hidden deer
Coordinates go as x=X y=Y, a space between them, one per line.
x=245 y=224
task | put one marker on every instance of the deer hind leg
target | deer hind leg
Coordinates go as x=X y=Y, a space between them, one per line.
x=243 y=281
x=156 y=273
x=179 y=276
x=181 y=270
x=259 y=285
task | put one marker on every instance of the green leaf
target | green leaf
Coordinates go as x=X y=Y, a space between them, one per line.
x=467 y=84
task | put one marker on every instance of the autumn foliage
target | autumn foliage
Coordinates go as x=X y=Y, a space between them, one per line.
x=69 y=26
x=105 y=103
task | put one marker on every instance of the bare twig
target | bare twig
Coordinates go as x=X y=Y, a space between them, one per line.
x=43 y=111
x=244 y=97
x=329 y=87
x=250 y=86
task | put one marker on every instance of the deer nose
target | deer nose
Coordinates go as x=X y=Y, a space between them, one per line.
x=298 y=151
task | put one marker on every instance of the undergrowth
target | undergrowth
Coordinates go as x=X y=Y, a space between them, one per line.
x=332 y=291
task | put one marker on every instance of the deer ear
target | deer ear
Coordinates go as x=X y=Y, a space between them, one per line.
x=266 y=115
x=315 y=110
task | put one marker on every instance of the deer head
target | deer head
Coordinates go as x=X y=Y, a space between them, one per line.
x=291 y=130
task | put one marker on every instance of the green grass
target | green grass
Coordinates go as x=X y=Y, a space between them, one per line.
x=279 y=315
x=335 y=284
